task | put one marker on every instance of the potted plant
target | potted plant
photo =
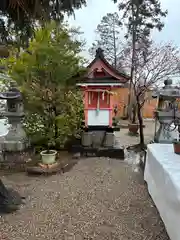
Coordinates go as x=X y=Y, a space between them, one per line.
x=176 y=144
x=48 y=156
x=133 y=126
x=42 y=134
x=48 y=153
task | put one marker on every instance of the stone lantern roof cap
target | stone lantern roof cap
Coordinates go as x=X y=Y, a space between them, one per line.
x=168 y=82
x=169 y=91
x=10 y=95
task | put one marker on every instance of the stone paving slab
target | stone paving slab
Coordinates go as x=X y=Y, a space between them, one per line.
x=98 y=199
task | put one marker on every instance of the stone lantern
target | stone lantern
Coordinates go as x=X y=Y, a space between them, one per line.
x=167 y=114
x=16 y=139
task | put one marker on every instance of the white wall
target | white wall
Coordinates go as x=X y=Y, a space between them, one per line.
x=98 y=118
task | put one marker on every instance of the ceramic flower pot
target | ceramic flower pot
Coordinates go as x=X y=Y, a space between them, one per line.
x=176 y=147
x=133 y=128
x=48 y=157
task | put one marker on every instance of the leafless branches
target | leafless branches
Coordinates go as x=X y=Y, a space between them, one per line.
x=152 y=66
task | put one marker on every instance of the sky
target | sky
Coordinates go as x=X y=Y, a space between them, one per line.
x=89 y=17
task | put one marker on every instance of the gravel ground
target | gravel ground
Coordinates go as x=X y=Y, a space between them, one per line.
x=126 y=140
x=98 y=199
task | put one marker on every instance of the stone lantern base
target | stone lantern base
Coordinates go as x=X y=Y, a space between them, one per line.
x=16 y=139
x=15 y=146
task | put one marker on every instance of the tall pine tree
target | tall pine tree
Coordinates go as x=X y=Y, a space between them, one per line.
x=108 y=38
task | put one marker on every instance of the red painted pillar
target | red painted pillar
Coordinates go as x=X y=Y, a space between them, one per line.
x=86 y=107
x=110 y=109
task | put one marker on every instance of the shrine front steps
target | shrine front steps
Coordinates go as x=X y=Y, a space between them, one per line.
x=111 y=152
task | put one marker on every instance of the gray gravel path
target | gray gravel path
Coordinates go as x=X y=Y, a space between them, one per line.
x=126 y=140
x=98 y=199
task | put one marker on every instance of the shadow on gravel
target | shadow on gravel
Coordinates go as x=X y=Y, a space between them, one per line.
x=10 y=200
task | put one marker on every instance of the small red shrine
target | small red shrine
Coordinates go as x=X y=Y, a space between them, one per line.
x=98 y=86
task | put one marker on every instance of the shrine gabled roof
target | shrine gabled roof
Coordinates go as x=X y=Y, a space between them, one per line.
x=122 y=77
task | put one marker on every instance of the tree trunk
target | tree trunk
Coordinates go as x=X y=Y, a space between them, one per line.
x=55 y=123
x=134 y=111
x=114 y=43
x=135 y=16
x=140 y=119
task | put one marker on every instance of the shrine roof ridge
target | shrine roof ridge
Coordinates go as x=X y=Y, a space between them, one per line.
x=100 y=55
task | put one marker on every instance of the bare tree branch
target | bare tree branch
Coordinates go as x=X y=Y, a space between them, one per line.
x=161 y=63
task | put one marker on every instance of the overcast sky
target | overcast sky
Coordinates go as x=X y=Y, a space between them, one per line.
x=89 y=17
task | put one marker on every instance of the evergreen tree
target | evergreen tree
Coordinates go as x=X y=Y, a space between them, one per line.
x=46 y=74
x=108 y=38
x=141 y=16
x=19 y=16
